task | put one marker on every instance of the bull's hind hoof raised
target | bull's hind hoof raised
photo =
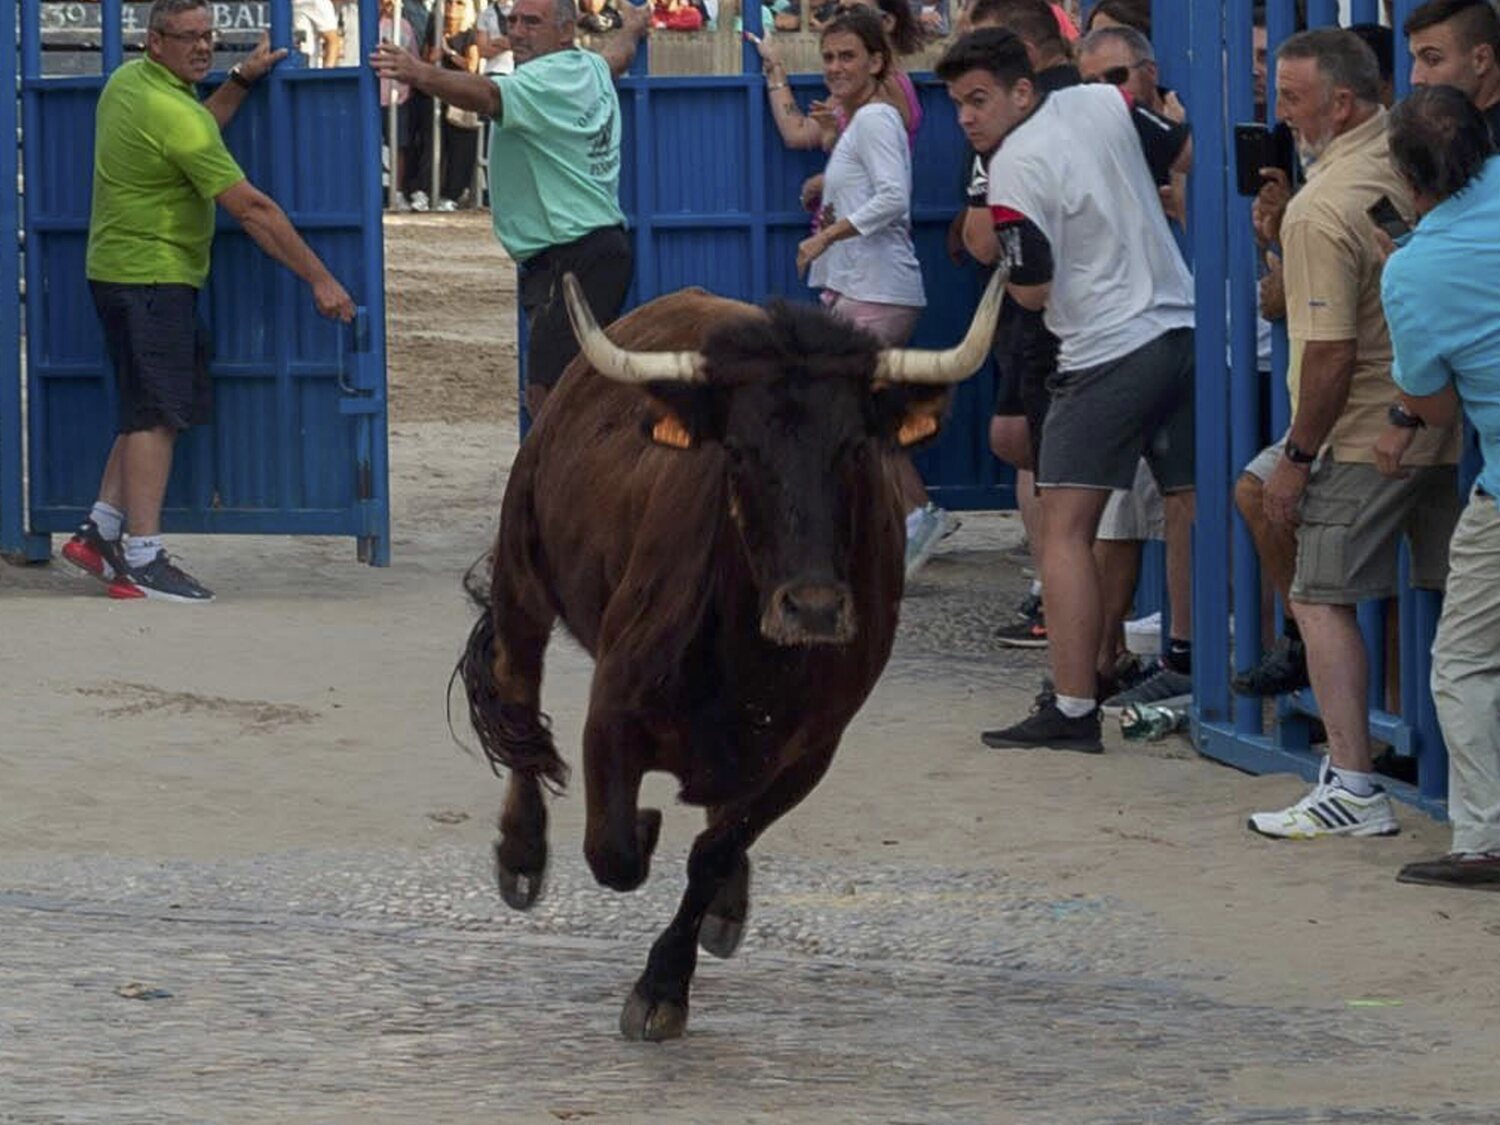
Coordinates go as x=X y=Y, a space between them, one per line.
x=647 y=1021
x=724 y=925
x=520 y=889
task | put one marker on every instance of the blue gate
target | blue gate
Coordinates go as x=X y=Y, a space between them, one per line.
x=1195 y=53
x=711 y=195
x=299 y=442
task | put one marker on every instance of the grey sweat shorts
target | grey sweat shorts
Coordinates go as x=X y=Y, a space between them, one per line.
x=1104 y=419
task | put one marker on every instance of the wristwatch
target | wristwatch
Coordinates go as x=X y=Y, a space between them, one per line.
x=1297 y=455
x=1397 y=415
x=237 y=76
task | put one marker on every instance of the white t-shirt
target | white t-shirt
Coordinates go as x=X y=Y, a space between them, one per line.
x=505 y=61
x=1075 y=169
x=311 y=20
x=868 y=182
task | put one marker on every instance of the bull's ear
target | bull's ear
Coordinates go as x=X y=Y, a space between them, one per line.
x=911 y=414
x=684 y=415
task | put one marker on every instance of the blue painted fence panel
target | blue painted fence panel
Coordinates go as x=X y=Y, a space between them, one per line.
x=298 y=445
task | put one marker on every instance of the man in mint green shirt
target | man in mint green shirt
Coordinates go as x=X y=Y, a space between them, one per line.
x=160 y=166
x=554 y=167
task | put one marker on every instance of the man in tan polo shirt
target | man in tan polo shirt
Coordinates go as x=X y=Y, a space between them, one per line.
x=1349 y=518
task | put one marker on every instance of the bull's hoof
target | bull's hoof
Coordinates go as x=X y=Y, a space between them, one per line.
x=647 y=1021
x=519 y=889
x=724 y=924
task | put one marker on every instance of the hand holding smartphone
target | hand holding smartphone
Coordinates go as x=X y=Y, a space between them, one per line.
x=1384 y=215
x=1258 y=146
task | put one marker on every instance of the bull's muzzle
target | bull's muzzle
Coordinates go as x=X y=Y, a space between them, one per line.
x=809 y=613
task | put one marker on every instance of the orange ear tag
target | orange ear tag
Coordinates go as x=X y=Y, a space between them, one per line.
x=915 y=428
x=669 y=431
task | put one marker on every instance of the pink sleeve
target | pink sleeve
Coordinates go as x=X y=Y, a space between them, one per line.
x=1064 y=23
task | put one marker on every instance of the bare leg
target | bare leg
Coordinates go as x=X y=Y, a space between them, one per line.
x=1031 y=513
x=1010 y=441
x=146 y=463
x=112 y=484
x=1180 y=508
x=1119 y=564
x=1338 y=666
x=1276 y=546
x=1070 y=518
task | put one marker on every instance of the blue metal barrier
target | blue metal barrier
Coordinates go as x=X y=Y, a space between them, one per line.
x=13 y=537
x=1231 y=431
x=299 y=441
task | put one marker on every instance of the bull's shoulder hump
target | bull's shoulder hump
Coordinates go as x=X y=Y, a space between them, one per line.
x=679 y=319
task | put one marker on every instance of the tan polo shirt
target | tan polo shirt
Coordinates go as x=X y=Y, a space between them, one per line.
x=1333 y=287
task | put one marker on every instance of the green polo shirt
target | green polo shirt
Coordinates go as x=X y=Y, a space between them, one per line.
x=555 y=152
x=159 y=161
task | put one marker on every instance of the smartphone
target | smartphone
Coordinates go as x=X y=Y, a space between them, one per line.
x=1258 y=146
x=1384 y=215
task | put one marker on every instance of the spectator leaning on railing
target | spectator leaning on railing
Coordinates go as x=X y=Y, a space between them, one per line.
x=1443 y=308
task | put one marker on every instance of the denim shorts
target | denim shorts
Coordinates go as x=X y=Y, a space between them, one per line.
x=160 y=349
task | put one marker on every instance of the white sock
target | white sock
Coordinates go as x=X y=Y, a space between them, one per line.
x=914 y=521
x=141 y=549
x=1360 y=784
x=107 y=518
x=1036 y=587
x=1074 y=706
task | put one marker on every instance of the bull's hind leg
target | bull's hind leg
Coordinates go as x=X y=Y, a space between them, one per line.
x=657 y=1007
x=502 y=673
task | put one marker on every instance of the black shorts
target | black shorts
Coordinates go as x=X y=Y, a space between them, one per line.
x=160 y=349
x=1104 y=419
x=603 y=262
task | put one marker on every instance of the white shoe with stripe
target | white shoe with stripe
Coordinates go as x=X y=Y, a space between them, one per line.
x=1330 y=810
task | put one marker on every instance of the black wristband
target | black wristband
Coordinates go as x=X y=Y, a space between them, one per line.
x=1297 y=455
x=237 y=76
x=1397 y=415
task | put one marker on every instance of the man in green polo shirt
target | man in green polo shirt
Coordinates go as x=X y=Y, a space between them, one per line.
x=160 y=165
x=554 y=166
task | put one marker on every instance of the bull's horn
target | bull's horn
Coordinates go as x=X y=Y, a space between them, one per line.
x=912 y=365
x=614 y=361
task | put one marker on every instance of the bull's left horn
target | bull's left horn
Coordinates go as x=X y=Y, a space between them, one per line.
x=614 y=361
x=913 y=365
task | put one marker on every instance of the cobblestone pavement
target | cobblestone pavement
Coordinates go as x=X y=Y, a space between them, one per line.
x=327 y=986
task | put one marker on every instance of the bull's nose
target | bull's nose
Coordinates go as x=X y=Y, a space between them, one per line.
x=810 y=612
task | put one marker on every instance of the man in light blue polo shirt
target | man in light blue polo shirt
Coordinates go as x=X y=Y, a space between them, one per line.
x=554 y=165
x=1443 y=308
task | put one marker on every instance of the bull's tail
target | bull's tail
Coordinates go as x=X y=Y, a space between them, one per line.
x=515 y=736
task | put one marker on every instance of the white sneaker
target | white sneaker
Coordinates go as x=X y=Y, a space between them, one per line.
x=1143 y=635
x=923 y=540
x=446 y=205
x=1329 y=810
x=419 y=201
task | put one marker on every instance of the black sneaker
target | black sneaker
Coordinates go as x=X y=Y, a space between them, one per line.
x=1282 y=668
x=160 y=578
x=1029 y=630
x=1163 y=687
x=1047 y=726
x=1470 y=871
x=93 y=554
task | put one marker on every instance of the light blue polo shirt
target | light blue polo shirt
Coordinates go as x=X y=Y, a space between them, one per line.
x=1441 y=292
x=555 y=152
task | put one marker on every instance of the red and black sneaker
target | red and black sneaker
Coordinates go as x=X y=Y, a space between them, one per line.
x=93 y=554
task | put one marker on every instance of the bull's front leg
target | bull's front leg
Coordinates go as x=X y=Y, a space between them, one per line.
x=619 y=837
x=657 y=1007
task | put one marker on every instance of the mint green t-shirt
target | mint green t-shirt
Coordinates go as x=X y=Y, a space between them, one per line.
x=159 y=161
x=555 y=152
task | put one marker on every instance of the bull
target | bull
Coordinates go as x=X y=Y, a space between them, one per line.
x=705 y=502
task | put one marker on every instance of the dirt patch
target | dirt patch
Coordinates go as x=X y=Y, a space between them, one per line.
x=135 y=700
x=450 y=320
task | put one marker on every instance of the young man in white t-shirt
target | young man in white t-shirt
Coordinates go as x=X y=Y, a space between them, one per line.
x=1082 y=232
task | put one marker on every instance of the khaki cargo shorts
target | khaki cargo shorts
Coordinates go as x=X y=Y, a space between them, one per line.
x=1353 y=520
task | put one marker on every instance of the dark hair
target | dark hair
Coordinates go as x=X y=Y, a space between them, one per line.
x=1439 y=140
x=1382 y=41
x=1343 y=59
x=906 y=34
x=1132 y=13
x=1476 y=22
x=864 y=25
x=1033 y=20
x=992 y=49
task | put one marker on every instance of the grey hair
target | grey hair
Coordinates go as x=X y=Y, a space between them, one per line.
x=1138 y=45
x=164 y=10
x=1344 y=60
x=564 y=12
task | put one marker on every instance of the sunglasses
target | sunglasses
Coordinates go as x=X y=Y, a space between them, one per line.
x=1116 y=75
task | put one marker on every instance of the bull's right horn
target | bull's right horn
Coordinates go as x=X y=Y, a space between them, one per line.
x=914 y=365
x=614 y=361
